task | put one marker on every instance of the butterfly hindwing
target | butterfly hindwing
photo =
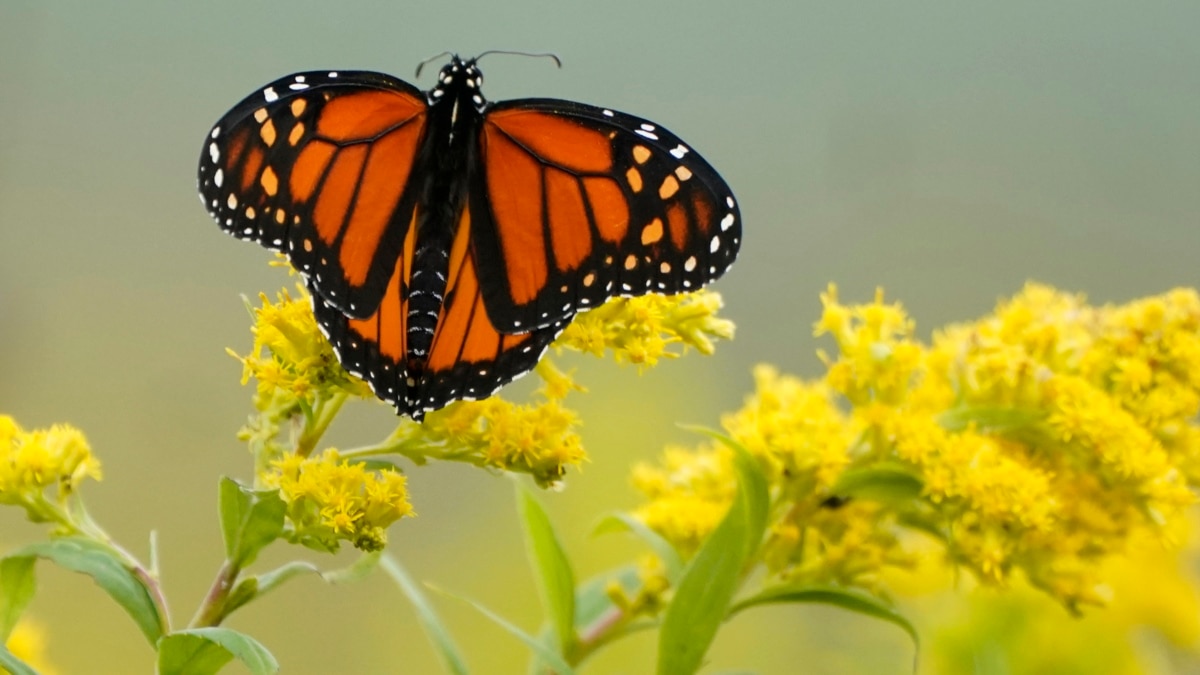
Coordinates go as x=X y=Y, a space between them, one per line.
x=576 y=204
x=316 y=165
x=467 y=358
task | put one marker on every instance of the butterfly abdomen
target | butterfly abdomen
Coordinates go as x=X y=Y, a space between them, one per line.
x=441 y=202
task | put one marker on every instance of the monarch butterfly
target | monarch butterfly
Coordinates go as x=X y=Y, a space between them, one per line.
x=445 y=239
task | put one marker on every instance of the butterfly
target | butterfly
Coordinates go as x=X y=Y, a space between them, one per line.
x=446 y=240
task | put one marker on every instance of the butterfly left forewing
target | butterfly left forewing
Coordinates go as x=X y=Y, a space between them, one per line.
x=316 y=165
x=576 y=204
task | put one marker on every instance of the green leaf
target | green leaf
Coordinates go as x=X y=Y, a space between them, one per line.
x=434 y=628
x=884 y=483
x=356 y=571
x=709 y=581
x=252 y=587
x=552 y=659
x=203 y=651
x=13 y=665
x=250 y=519
x=17 y=586
x=854 y=601
x=555 y=581
x=662 y=548
x=378 y=464
x=109 y=572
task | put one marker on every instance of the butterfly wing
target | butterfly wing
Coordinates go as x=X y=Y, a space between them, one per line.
x=316 y=165
x=575 y=204
x=468 y=357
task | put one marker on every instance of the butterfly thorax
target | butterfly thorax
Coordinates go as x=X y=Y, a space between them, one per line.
x=448 y=150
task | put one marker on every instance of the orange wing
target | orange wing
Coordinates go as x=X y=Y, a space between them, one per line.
x=317 y=165
x=576 y=204
x=467 y=357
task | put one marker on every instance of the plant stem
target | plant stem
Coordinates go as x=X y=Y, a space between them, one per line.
x=212 y=611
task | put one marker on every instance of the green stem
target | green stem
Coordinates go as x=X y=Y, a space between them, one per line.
x=323 y=415
x=213 y=610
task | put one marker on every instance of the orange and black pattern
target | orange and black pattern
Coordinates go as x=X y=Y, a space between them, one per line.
x=447 y=240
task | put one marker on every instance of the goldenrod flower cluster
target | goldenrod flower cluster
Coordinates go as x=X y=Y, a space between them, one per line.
x=299 y=379
x=31 y=461
x=538 y=439
x=291 y=360
x=1038 y=439
x=330 y=499
x=642 y=330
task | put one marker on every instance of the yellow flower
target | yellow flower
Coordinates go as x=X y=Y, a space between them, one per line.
x=330 y=500
x=31 y=461
x=687 y=496
x=641 y=330
x=291 y=360
x=28 y=639
x=1039 y=439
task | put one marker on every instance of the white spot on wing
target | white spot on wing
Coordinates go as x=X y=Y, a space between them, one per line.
x=216 y=132
x=679 y=151
x=714 y=245
x=333 y=73
x=727 y=221
x=297 y=86
x=214 y=152
x=219 y=177
x=608 y=113
x=270 y=95
x=646 y=134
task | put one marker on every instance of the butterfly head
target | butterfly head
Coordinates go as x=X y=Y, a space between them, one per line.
x=460 y=79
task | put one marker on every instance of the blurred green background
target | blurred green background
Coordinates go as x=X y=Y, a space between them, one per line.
x=946 y=151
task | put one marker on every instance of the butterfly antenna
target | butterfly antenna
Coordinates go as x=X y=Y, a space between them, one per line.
x=435 y=57
x=544 y=55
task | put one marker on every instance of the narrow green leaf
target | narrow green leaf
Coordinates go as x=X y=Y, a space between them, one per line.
x=378 y=464
x=552 y=659
x=355 y=571
x=252 y=587
x=11 y=664
x=17 y=586
x=250 y=519
x=108 y=571
x=709 y=581
x=203 y=651
x=555 y=580
x=434 y=629
x=662 y=548
x=854 y=601
x=886 y=483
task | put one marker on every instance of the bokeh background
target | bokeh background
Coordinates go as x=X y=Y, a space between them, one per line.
x=945 y=151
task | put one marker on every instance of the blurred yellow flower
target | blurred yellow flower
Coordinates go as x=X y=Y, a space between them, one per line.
x=1040 y=439
x=31 y=461
x=28 y=643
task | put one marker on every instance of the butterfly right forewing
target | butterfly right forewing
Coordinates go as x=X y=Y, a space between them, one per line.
x=577 y=204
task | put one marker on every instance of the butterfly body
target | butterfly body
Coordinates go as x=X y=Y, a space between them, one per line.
x=447 y=240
